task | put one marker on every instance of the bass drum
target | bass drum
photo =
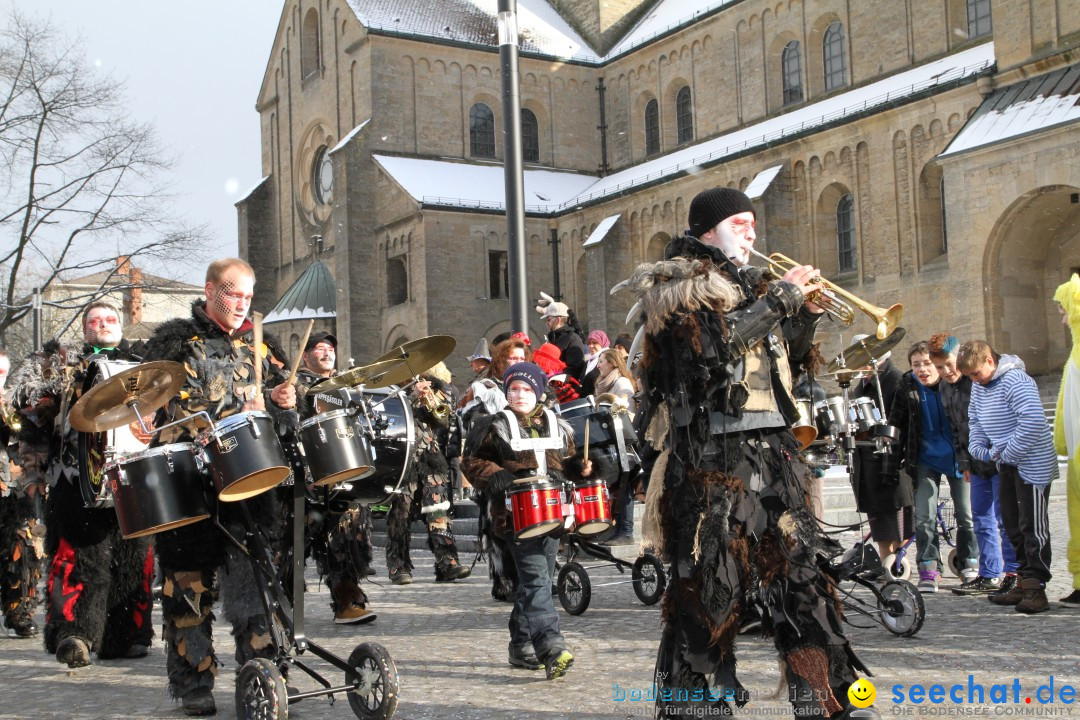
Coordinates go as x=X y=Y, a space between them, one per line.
x=96 y=450
x=389 y=413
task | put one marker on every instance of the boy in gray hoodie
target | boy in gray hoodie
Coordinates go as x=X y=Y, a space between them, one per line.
x=1008 y=428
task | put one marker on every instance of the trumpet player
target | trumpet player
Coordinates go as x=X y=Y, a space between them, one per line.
x=426 y=490
x=727 y=498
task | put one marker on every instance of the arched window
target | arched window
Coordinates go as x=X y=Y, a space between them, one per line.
x=845 y=234
x=652 y=128
x=684 y=115
x=791 y=65
x=978 y=17
x=833 y=53
x=530 y=136
x=309 y=44
x=482 y=131
x=397 y=281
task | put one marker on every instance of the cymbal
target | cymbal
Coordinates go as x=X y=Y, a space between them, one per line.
x=860 y=353
x=109 y=405
x=416 y=356
x=373 y=376
x=845 y=376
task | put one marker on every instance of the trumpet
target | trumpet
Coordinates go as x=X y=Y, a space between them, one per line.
x=436 y=403
x=837 y=301
x=9 y=416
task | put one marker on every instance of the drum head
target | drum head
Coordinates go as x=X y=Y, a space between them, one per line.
x=544 y=528
x=251 y=485
x=165 y=526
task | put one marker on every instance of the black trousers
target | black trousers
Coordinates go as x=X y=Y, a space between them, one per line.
x=1023 y=510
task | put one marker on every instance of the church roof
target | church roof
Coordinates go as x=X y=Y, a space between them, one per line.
x=541 y=29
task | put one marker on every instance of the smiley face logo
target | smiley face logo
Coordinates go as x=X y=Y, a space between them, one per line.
x=862 y=693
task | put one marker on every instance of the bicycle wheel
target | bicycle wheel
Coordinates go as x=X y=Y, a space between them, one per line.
x=575 y=590
x=897 y=569
x=903 y=611
x=954 y=564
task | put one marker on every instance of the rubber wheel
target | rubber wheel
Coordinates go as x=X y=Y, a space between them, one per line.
x=650 y=580
x=903 y=610
x=903 y=572
x=575 y=590
x=260 y=691
x=373 y=672
x=954 y=563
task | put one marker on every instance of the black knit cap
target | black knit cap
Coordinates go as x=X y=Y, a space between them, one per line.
x=530 y=373
x=711 y=207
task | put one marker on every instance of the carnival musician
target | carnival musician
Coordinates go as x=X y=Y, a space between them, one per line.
x=98 y=591
x=721 y=341
x=339 y=530
x=216 y=346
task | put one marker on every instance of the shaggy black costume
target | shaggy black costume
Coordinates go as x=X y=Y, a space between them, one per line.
x=728 y=490
x=98 y=587
x=195 y=559
x=425 y=491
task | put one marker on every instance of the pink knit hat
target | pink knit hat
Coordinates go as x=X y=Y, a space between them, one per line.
x=599 y=336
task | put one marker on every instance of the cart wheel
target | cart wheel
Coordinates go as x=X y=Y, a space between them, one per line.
x=903 y=610
x=375 y=675
x=575 y=590
x=260 y=691
x=895 y=570
x=954 y=563
x=649 y=579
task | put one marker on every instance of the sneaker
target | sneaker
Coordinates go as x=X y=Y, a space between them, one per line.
x=199 y=701
x=1034 y=600
x=969 y=574
x=1010 y=592
x=928 y=582
x=557 y=663
x=527 y=660
x=452 y=573
x=401 y=577
x=978 y=586
x=74 y=651
x=354 y=615
x=1072 y=599
x=619 y=540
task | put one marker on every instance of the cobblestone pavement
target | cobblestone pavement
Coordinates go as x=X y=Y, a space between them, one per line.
x=449 y=643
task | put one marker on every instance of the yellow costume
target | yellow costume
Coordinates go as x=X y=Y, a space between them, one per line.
x=1067 y=420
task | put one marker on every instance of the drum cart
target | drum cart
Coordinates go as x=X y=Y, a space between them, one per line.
x=647 y=574
x=896 y=606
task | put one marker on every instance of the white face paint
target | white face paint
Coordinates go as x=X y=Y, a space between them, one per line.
x=102 y=329
x=734 y=237
x=5 y=367
x=520 y=397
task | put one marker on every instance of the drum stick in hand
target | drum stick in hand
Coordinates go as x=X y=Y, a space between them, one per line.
x=256 y=318
x=300 y=353
x=587 y=424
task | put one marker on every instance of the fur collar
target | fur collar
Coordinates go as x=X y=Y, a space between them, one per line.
x=681 y=284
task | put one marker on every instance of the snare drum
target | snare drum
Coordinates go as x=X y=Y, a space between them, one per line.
x=96 y=450
x=535 y=505
x=865 y=414
x=157 y=489
x=389 y=415
x=244 y=455
x=805 y=430
x=592 y=507
x=831 y=416
x=335 y=447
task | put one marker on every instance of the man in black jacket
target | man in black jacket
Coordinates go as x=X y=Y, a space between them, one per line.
x=560 y=334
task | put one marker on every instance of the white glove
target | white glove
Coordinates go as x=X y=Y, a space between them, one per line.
x=543 y=302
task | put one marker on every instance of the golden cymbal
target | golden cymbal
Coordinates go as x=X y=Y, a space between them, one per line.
x=416 y=356
x=845 y=376
x=861 y=352
x=373 y=376
x=109 y=405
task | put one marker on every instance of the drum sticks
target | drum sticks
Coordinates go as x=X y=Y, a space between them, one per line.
x=256 y=318
x=300 y=353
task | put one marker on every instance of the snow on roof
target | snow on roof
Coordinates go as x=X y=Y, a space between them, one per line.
x=667 y=15
x=250 y=190
x=541 y=29
x=352 y=133
x=954 y=67
x=1026 y=107
x=480 y=186
x=762 y=181
x=601 y=231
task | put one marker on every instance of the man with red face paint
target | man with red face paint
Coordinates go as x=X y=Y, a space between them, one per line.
x=216 y=346
x=98 y=588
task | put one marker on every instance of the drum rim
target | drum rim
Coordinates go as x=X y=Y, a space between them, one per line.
x=227 y=424
x=532 y=483
x=587 y=401
x=150 y=452
x=316 y=419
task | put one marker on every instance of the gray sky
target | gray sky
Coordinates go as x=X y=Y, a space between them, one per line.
x=192 y=68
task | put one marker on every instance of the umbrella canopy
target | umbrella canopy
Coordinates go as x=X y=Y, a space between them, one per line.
x=313 y=295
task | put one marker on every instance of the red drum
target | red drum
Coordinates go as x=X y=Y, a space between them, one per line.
x=245 y=456
x=592 y=507
x=157 y=489
x=535 y=504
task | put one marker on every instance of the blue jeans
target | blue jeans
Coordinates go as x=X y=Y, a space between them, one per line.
x=996 y=554
x=927 y=541
x=534 y=622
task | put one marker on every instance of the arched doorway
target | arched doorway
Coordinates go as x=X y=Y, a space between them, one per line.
x=1034 y=247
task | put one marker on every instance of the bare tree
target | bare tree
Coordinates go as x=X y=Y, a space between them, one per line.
x=80 y=182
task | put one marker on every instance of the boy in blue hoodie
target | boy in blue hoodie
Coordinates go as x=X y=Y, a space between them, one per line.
x=1008 y=428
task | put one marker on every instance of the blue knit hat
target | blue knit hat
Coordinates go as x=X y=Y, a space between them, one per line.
x=527 y=372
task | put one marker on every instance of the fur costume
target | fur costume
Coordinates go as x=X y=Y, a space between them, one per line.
x=196 y=559
x=20 y=561
x=98 y=585
x=1067 y=421
x=729 y=506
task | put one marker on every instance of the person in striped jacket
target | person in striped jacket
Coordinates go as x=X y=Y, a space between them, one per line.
x=1008 y=428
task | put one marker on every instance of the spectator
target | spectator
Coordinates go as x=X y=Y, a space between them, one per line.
x=562 y=333
x=596 y=343
x=480 y=359
x=614 y=379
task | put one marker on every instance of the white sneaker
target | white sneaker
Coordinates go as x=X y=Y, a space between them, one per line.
x=928 y=585
x=969 y=574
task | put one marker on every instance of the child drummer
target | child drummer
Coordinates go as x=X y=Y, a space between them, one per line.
x=545 y=447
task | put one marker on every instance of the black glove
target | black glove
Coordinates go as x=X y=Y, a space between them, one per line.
x=499 y=483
